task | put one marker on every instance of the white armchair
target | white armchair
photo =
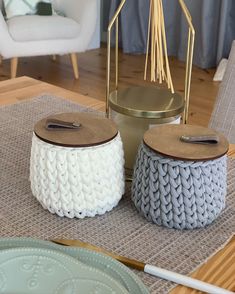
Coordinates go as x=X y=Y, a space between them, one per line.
x=33 y=35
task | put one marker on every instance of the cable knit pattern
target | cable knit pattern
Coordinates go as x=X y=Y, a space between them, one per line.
x=178 y=194
x=77 y=182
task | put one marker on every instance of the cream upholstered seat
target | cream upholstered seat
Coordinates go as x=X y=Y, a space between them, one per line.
x=37 y=28
x=33 y=35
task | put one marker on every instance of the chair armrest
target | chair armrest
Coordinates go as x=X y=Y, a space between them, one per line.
x=79 y=10
x=83 y=12
x=5 y=37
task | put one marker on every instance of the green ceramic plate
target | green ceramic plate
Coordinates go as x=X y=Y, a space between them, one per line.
x=116 y=271
x=38 y=270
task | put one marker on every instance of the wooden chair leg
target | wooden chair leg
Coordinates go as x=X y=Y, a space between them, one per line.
x=74 y=61
x=14 y=63
x=0 y=59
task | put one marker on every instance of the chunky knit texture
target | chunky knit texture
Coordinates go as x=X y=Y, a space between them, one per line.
x=178 y=194
x=77 y=182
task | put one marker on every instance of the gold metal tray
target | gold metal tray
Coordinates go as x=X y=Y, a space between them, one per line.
x=146 y=102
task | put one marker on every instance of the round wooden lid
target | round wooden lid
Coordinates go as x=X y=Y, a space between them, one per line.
x=165 y=140
x=94 y=130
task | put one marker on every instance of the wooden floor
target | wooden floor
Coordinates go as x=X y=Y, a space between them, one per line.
x=92 y=67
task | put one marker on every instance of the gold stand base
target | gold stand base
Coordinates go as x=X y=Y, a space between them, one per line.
x=146 y=102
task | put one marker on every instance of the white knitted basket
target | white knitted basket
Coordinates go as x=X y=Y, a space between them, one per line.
x=77 y=182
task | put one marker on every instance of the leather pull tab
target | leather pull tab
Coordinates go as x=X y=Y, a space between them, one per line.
x=204 y=139
x=56 y=124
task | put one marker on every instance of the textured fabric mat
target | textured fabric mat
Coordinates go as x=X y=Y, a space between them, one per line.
x=122 y=230
x=223 y=115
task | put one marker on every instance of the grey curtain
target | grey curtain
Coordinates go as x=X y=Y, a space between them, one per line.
x=214 y=22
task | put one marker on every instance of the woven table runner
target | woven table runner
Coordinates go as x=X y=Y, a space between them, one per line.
x=122 y=230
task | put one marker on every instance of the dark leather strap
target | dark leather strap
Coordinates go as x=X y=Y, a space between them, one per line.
x=204 y=139
x=56 y=124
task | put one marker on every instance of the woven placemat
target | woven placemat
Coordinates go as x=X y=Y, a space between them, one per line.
x=122 y=230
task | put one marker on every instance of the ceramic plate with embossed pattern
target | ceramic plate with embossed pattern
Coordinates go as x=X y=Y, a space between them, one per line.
x=37 y=270
x=125 y=278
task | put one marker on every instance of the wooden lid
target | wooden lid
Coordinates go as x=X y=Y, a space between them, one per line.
x=165 y=140
x=94 y=130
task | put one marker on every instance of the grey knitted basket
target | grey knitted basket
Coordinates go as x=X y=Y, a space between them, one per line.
x=178 y=194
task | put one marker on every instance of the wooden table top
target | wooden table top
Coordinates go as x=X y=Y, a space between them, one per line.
x=15 y=90
x=219 y=269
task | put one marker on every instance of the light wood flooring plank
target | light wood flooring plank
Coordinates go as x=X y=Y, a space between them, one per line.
x=92 y=68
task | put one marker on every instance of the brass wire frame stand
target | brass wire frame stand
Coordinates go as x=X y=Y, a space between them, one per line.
x=189 y=58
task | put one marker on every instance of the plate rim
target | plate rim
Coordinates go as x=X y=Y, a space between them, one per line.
x=11 y=241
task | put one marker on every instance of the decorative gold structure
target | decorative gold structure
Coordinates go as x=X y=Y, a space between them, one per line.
x=142 y=107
